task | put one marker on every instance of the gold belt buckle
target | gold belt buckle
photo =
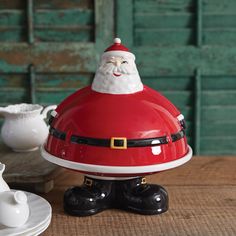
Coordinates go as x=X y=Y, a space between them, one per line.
x=114 y=146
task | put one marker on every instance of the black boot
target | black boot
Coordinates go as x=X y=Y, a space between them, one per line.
x=92 y=197
x=137 y=196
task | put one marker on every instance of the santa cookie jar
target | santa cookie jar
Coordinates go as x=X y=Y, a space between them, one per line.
x=116 y=131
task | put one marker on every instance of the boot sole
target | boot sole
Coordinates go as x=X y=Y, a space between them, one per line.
x=145 y=212
x=83 y=213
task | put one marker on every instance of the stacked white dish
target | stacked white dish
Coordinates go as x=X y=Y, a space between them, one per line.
x=38 y=221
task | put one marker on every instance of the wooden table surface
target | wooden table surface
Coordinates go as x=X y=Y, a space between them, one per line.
x=202 y=202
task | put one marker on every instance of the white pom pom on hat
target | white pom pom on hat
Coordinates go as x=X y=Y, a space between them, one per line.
x=117 y=46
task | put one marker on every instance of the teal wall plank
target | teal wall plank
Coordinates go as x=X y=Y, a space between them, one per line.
x=105 y=26
x=157 y=61
x=124 y=21
x=64 y=17
x=47 y=57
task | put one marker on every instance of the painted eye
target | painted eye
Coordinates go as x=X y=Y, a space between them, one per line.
x=124 y=62
x=109 y=62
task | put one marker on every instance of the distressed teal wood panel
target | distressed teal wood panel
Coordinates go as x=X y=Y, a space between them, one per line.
x=63 y=81
x=50 y=25
x=214 y=60
x=219 y=127
x=105 y=25
x=76 y=25
x=52 y=96
x=13 y=34
x=13 y=81
x=179 y=97
x=221 y=82
x=219 y=97
x=64 y=17
x=164 y=23
x=61 y=4
x=218 y=113
x=169 y=83
x=125 y=21
x=187 y=111
x=219 y=6
x=164 y=37
x=163 y=20
x=47 y=57
x=12 y=96
x=14 y=17
x=63 y=34
x=220 y=36
x=168 y=6
x=218 y=145
x=219 y=20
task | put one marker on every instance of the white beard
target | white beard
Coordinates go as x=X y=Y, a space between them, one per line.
x=127 y=83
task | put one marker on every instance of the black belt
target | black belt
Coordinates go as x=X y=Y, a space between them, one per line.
x=117 y=142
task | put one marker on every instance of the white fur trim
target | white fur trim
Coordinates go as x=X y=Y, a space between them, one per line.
x=180 y=117
x=117 y=53
x=117 y=169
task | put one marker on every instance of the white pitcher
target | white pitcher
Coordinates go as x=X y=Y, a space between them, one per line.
x=24 y=128
x=14 y=209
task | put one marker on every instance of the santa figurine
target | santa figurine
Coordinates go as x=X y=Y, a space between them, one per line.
x=116 y=132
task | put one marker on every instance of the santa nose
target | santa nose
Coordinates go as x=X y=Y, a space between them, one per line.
x=117 y=63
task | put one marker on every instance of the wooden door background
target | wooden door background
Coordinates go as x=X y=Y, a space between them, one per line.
x=184 y=48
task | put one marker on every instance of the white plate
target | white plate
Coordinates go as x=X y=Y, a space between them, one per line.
x=37 y=231
x=40 y=215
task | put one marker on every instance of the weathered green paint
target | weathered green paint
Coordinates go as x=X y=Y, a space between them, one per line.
x=60 y=4
x=218 y=145
x=155 y=20
x=12 y=18
x=199 y=23
x=32 y=84
x=172 y=83
x=104 y=21
x=47 y=57
x=183 y=60
x=63 y=81
x=169 y=38
x=124 y=21
x=13 y=96
x=163 y=37
x=30 y=21
x=64 y=34
x=62 y=17
x=197 y=110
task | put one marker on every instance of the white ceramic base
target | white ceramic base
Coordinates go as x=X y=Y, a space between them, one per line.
x=137 y=170
x=26 y=150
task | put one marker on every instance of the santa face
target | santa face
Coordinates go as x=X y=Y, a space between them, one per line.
x=117 y=74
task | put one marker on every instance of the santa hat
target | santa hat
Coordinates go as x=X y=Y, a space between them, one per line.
x=118 y=49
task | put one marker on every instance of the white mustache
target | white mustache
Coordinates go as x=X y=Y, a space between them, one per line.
x=110 y=68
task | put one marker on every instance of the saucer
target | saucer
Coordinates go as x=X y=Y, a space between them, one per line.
x=38 y=230
x=39 y=218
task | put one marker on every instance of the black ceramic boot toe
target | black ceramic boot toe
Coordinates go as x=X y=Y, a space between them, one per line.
x=92 y=197
x=137 y=196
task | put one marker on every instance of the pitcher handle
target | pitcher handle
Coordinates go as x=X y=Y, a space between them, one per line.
x=47 y=109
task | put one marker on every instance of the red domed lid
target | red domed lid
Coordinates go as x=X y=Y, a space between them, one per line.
x=117 y=135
